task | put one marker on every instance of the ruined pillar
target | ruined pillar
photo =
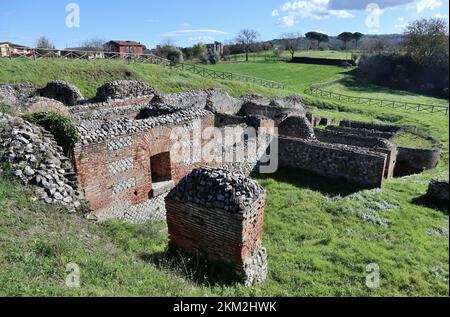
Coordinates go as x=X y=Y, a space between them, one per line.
x=219 y=215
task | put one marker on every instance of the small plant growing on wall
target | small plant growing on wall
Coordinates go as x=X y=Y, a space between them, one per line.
x=63 y=128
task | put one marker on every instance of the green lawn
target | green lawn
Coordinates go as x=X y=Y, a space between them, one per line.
x=320 y=234
x=296 y=77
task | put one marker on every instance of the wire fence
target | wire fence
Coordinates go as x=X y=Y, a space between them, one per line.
x=404 y=105
x=47 y=54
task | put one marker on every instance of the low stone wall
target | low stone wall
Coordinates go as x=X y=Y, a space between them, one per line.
x=355 y=165
x=275 y=113
x=363 y=132
x=375 y=144
x=123 y=89
x=393 y=128
x=415 y=161
x=219 y=216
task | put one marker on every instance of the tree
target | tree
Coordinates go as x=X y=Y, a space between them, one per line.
x=317 y=36
x=44 y=42
x=94 y=44
x=426 y=41
x=247 y=38
x=292 y=42
x=198 y=50
x=346 y=37
x=357 y=36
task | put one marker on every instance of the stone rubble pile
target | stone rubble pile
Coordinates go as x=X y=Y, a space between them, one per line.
x=34 y=158
x=16 y=94
x=217 y=188
x=122 y=89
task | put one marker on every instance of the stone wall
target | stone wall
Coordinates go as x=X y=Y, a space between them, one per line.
x=220 y=215
x=123 y=89
x=297 y=127
x=393 y=128
x=353 y=164
x=375 y=144
x=363 y=132
x=415 y=161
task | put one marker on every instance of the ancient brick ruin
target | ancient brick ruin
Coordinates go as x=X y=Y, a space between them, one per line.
x=219 y=215
x=127 y=161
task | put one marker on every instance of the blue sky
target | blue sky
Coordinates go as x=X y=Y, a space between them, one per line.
x=189 y=21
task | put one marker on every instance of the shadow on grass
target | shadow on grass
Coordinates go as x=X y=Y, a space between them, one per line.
x=304 y=179
x=425 y=201
x=193 y=267
x=354 y=83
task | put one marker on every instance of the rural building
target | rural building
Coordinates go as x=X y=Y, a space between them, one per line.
x=215 y=47
x=8 y=49
x=125 y=47
x=82 y=52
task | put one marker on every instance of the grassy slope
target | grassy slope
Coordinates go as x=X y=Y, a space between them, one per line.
x=296 y=77
x=89 y=75
x=320 y=236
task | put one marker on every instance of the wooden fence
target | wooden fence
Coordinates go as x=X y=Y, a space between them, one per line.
x=318 y=92
x=46 y=54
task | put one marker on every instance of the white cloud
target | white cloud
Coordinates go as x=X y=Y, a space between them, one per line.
x=292 y=11
x=401 y=26
x=185 y=24
x=400 y=19
x=200 y=39
x=194 y=33
x=152 y=20
x=439 y=16
x=422 y=5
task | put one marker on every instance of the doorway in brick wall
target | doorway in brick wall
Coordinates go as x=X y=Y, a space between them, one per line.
x=161 y=174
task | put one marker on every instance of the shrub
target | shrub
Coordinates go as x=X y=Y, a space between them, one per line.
x=63 y=128
x=175 y=55
x=403 y=72
x=210 y=57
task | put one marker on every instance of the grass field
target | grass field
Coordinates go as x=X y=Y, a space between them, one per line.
x=261 y=56
x=320 y=234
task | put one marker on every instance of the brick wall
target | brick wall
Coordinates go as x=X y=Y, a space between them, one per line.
x=116 y=174
x=218 y=235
